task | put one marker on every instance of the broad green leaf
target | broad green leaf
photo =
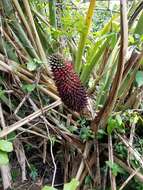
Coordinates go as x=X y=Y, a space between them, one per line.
x=112 y=124
x=87 y=69
x=139 y=78
x=29 y=87
x=131 y=39
x=6 y=146
x=119 y=120
x=134 y=118
x=11 y=136
x=71 y=185
x=3 y=158
x=115 y=168
x=48 y=188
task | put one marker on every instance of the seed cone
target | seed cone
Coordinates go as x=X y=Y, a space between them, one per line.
x=70 y=89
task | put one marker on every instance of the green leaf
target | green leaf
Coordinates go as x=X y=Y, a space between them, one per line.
x=101 y=134
x=29 y=87
x=33 y=173
x=48 y=188
x=71 y=185
x=115 y=122
x=139 y=78
x=11 y=136
x=134 y=118
x=3 y=158
x=112 y=124
x=131 y=39
x=119 y=120
x=88 y=180
x=31 y=65
x=6 y=146
x=115 y=168
x=86 y=133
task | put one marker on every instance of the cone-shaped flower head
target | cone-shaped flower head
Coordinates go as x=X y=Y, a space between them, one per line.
x=70 y=89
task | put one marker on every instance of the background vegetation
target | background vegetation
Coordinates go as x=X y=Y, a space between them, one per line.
x=43 y=144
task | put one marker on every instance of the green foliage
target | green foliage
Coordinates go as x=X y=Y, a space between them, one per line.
x=121 y=150
x=33 y=172
x=15 y=173
x=5 y=147
x=101 y=17
x=139 y=78
x=11 y=136
x=72 y=128
x=114 y=123
x=88 y=180
x=28 y=87
x=72 y=22
x=115 y=168
x=131 y=117
x=3 y=158
x=86 y=134
x=33 y=64
x=48 y=188
x=134 y=118
x=101 y=134
x=72 y=185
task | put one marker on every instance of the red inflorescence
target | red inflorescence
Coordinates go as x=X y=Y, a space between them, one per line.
x=70 y=89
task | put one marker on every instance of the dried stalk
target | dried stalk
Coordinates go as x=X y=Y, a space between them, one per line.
x=5 y=169
x=82 y=165
x=111 y=158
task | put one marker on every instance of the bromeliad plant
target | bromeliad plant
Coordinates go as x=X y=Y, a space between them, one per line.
x=108 y=63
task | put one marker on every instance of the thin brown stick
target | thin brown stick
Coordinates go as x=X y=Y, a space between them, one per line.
x=111 y=158
x=20 y=105
x=5 y=169
x=82 y=165
x=132 y=134
x=98 y=174
x=105 y=178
